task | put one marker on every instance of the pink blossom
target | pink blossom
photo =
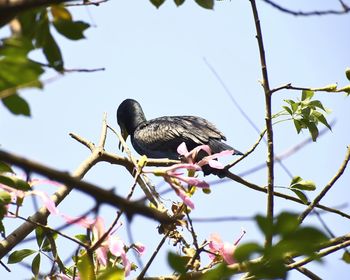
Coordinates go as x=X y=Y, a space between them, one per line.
x=139 y=247
x=191 y=156
x=185 y=198
x=223 y=249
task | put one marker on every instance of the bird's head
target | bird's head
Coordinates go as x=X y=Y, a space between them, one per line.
x=129 y=117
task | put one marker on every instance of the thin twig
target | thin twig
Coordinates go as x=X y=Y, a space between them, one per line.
x=320 y=254
x=49 y=229
x=326 y=89
x=222 y=219
x=285 y=196
x=156 y=251
x=327 y=187
x=87 y=3
x=248 y=152
x=345 y=10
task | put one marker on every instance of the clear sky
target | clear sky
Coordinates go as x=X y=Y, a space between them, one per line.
x=158 y=58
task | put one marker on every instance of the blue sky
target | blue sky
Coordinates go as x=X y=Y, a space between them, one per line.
x=157 y=57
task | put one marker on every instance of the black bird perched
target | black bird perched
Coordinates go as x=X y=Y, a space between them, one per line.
x=160 y=137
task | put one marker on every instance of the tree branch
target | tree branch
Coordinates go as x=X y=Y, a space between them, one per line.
x=268 y=121
x=345 y=10
x=285 y=196
x=326 y=188
x=99 y=194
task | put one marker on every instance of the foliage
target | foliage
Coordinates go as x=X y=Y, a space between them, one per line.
x=34 y=34
x=307 y=113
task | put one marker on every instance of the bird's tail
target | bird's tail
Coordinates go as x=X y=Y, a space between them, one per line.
x=217 y=147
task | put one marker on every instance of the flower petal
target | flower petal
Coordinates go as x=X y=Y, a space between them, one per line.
x=215 y=243
x=185 y=198
x=49 y=204
x=116 y=246
x=140 y=248
x=193 y=181
x=182 y=149
x=227 y=252
x=101 y=254
x=216 y=164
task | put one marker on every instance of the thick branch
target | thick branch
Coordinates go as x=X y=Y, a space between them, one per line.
x=99 y=194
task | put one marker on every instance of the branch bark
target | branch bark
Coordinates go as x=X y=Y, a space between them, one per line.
x=268 y=121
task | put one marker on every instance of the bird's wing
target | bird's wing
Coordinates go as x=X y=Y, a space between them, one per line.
x=167 y=133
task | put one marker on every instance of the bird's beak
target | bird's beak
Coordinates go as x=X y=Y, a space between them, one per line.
x=125 y=135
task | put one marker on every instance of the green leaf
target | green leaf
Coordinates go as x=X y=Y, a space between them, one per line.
x=286 y=223
x=321 y=118
x=82 y=237
x=298 y=125
x=46 y=246
x=5 y=197
x=16 y=105
x=246 y=251
x=157 y=3
x=206 y=4
x=318 y=104
x=275 y=269
x=112 y=273
x=307 y=95
x=59 y=12
x=306 y=113
x=221 y=272
x=71 y=29
x=19 y=255
x=264 y=225
x=301 y=195
x=346 y=255
x=52 y=53
x=179 y=2
x=296 y=179
x=2 y=228
x=303 y=241
x=286 y=108
x=313 y=130
x=177 y=262
x=36 y=264
x=305 y=185
x=85 y=267
x=347 y=73
x=39 y=235
x=4 y=167
x=15 y=182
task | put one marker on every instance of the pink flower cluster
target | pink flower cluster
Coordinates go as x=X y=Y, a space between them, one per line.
x=173 y=176
x=112 y=243
x=225 y=250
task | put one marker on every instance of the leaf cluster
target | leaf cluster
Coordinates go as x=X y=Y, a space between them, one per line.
x=307 y=113
x=35 y=33
x=8 y=179
x=292 y=240
x=206 y=4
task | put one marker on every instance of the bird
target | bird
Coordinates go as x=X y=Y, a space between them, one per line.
x=160 y=137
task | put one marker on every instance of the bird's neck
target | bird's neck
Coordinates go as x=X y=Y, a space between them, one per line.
x=137 y=120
